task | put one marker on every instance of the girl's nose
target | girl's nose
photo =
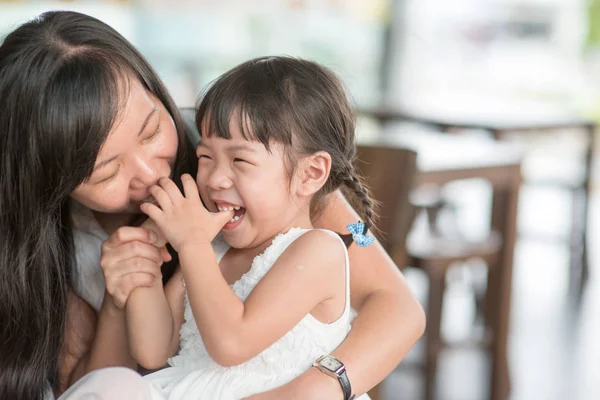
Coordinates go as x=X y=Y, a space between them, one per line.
x=219 y=179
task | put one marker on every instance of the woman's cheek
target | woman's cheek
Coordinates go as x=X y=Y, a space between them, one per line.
x=116 y=196
x=170 y=140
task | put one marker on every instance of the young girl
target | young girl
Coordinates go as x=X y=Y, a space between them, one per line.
x=256 y=306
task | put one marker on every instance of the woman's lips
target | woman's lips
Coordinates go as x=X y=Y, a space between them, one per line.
x=149 y=199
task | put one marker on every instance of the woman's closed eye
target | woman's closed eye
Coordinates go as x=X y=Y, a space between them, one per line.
x=153 y=134
x=109 y=178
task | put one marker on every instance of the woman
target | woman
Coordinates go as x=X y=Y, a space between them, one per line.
x=86 y=127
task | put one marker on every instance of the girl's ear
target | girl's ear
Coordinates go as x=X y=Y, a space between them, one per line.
x=312 y=173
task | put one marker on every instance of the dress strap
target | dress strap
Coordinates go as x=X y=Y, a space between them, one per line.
x=347 y=268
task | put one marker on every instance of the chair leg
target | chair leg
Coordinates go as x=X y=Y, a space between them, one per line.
x=437 y=286
x=579 y=269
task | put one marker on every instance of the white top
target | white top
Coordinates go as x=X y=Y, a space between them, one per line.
x=193 y=374
x=88 y=235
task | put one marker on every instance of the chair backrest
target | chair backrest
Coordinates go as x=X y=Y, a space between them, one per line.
x=389 y=172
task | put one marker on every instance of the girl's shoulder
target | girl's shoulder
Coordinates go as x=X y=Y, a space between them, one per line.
x=319 y=244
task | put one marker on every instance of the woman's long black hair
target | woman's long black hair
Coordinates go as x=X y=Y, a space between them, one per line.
x=59 y=98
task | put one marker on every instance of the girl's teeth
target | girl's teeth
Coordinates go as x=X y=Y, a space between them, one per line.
x=236 y=218
x=237 y=207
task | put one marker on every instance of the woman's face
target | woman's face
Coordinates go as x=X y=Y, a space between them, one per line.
x=139 y=150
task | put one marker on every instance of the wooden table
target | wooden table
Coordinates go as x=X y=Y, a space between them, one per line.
x=442 y=159
x=515 y=118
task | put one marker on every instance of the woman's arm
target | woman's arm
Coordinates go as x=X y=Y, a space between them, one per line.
x=80 y=326
x=390 y=320
x=129 y=259
x=92 y=341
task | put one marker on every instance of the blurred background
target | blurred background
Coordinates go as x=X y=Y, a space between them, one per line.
x=494 y=222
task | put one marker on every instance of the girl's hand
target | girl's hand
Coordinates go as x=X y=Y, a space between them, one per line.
x=131 y=259
x=183 y=218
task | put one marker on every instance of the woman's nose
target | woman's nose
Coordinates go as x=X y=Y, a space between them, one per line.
x=148 y=170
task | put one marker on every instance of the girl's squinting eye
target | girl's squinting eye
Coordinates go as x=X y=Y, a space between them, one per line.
x=203 y=156
x=239 y=160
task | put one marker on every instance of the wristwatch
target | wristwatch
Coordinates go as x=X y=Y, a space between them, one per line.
x=335 y=368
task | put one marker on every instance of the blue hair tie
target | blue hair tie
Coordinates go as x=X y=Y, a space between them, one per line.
x=358 y=231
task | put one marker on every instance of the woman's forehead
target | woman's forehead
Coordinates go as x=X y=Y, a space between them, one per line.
x=136 y=114
x=136 y=105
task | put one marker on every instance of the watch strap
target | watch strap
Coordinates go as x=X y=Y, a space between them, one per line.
x=340 y=374
x=345 y=383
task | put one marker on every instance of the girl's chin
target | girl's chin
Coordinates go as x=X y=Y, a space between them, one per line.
x=234 y=240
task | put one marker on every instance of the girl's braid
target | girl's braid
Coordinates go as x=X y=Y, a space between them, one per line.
x=350 y=178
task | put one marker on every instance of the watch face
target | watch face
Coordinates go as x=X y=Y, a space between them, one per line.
x=331 y=363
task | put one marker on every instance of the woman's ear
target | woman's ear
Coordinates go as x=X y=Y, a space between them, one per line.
x=312 y=173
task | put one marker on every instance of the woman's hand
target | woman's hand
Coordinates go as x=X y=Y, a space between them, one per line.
x=131 y=259
x=180 y=217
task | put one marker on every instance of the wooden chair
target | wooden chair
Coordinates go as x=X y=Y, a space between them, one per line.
x=390 y=173
x=435 y=254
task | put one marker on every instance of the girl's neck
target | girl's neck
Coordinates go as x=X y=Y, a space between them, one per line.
x=301 y=220
x=110 y=222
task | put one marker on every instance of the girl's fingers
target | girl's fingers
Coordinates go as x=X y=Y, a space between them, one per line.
x=222 y=217
x=171 y=189
x=189 y=187
x=162 y=197
x=151 y=211
x=166 y=256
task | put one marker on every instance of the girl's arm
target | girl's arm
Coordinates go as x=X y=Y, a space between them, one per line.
x=390 y=320
x=150 y=327
x=154 y=316
x=235 y=331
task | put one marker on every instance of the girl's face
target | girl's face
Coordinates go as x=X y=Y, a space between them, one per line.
x=243 y=174
x=139 y=150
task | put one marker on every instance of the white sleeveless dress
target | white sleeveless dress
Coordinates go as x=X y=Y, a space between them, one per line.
x=194 y=375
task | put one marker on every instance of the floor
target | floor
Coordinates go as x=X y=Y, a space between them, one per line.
x=554 y=346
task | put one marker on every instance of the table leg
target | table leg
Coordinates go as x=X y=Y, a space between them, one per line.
x=579 y=263
x=498 y=299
